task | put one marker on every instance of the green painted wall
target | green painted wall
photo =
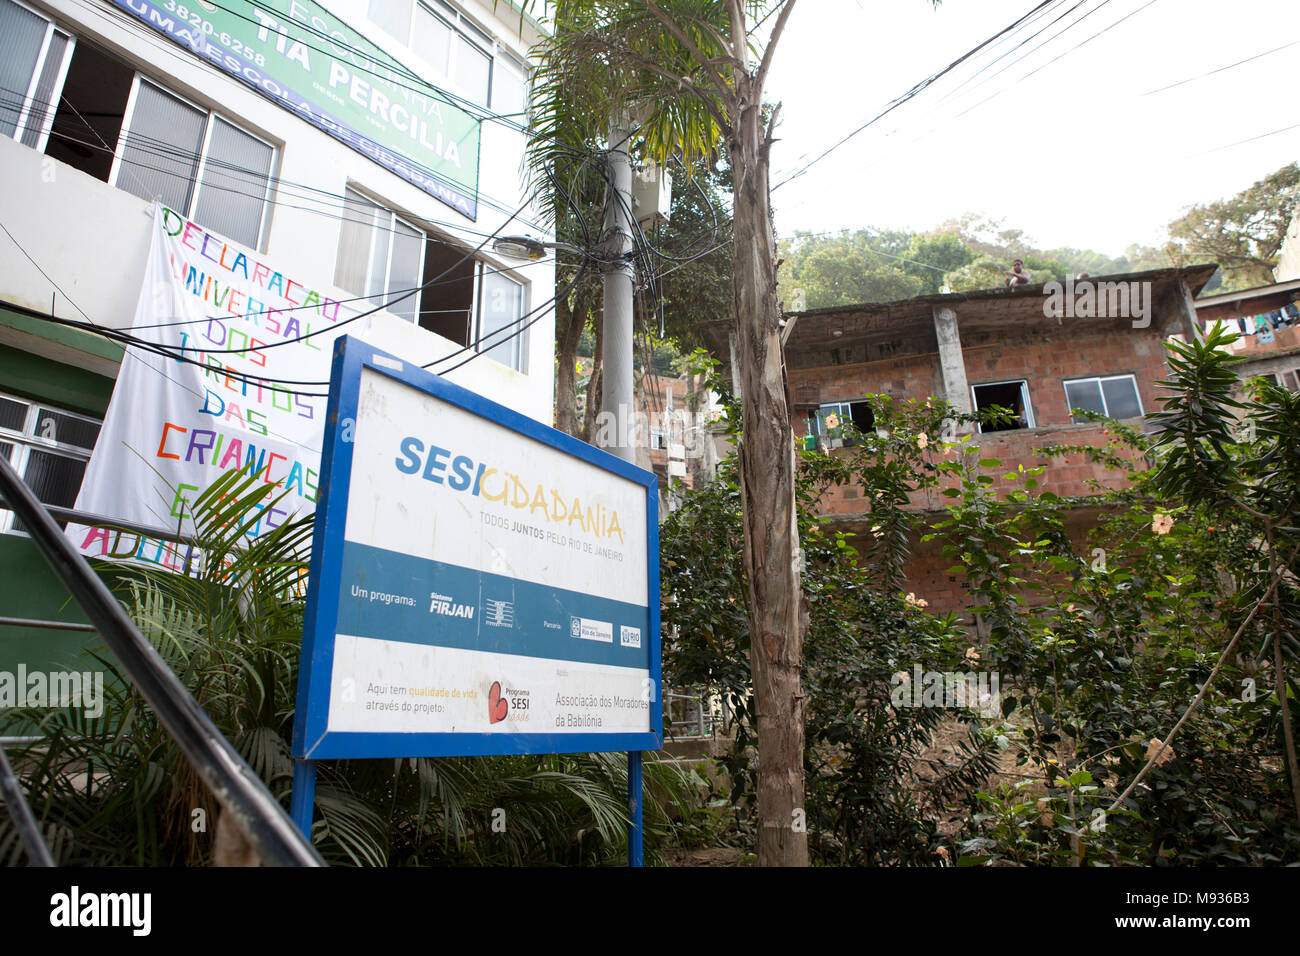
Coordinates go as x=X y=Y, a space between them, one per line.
x=28 y=588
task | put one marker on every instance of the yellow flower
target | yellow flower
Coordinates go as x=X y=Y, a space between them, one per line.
x=915 y=601
x=922 y=441
x=1161 y=523
x=972 y=654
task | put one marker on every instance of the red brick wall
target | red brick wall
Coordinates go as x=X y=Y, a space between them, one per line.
x=1045 y=363
x=930 y=578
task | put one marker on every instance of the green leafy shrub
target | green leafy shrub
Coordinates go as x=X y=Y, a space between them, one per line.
x=116 y=791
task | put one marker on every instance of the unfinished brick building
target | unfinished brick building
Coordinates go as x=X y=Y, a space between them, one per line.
x=1041 y=350
x=1267 y=319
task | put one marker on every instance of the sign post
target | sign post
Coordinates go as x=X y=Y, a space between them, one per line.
x=480 y=584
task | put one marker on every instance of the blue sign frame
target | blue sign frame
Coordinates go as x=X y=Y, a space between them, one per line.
x=311 y=740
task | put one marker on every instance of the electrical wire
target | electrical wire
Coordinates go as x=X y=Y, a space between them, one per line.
x=157 y=41
x=1242 y=142
x=1029 y=39
x=643 y=249
x=1021 y=79
x=911 y=94
x=1056 y=58
x=162 y=150
x=480 y=346
x=396 y=71
x=1201 y=76
x=160 y=348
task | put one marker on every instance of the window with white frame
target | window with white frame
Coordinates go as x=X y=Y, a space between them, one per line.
x=48 y=447
x=60 y=94
x=199 y=163
x=88 y=109
x=841 y=423
x=379 y=255
x=455 y=48
x=459 y=297
x=500 y=315
x=1002 y=406
x=475 y=64
x=34 y=57
x=1114 y=396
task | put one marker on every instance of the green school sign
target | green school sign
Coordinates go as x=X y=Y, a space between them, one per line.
x=307 y=60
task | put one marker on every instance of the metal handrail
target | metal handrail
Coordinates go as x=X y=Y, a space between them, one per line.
x=236 y=787
x=87 y=518
x=28 y=830
x=40 y=624
x=703 y=717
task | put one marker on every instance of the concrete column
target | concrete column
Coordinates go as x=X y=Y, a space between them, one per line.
x=951 y=364
x=616 y=374
x=1191 y=327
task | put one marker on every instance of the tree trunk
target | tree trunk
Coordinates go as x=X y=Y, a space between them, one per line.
x=1279 y=680
x=777 y=611
x=594 y=384
x=570 y=320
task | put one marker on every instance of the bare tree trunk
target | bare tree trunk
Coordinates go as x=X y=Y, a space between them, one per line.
x=594 y=384
x=231 y=847
x=570 y=320
x=1279 y=678
x=777 y=612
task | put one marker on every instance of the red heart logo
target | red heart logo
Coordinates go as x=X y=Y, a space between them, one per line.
x=498 y=706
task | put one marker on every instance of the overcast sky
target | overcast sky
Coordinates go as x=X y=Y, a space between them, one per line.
x=1080 y=154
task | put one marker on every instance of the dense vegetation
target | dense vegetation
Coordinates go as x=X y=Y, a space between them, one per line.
x=1178 y=612
x=115 y=790
x=1241 y=234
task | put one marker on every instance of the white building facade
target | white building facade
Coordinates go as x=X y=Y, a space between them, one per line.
x=372 y=146
x=103 y=112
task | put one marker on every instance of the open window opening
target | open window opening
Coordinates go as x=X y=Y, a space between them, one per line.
x=1002 y=406
x=90 y=112
x=81 y=106
x=836 y=424
x=434 y=284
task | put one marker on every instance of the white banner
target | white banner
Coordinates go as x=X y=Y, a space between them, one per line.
x=174 y=427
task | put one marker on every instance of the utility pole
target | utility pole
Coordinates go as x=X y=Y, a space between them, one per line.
x=616 y=354
x=616 y=384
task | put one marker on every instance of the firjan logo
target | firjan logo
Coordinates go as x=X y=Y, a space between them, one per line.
x=498 y=706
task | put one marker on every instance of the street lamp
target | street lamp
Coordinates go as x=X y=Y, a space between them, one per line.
x=526 y=247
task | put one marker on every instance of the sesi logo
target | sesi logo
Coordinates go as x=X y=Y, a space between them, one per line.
x=498 y=707
x=461 y=473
